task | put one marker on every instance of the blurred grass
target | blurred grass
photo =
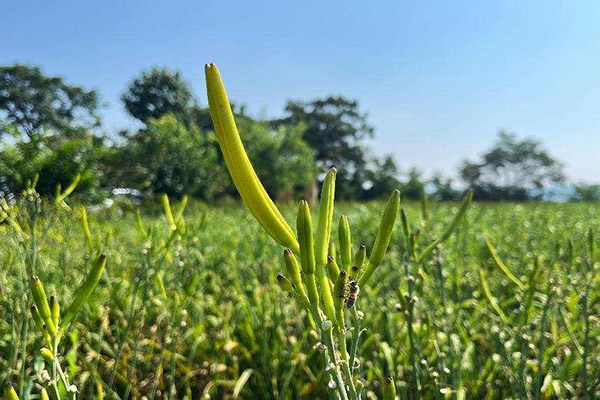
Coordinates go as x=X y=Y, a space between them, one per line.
x=205 y=317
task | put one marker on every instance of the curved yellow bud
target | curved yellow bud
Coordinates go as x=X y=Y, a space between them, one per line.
x=244 y=177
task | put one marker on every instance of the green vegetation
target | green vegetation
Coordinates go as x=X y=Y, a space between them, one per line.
x=189 y=304
x=189 y=300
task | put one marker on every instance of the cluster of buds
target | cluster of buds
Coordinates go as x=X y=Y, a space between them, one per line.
x=314 y=276
x=46 y=314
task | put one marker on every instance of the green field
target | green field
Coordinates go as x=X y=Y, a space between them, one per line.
x=198 y=312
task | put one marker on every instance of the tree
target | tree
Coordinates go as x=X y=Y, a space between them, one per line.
x=382 y=178
x=414 y=186
x=335 y=129
x=168 y=157
x=586 y=193
x=158 y=92
x=31 y=101
x=443 y=189
x=56 y=159
x=512 y=169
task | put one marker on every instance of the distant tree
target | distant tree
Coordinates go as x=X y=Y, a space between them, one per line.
x=56 y=159
x=335 y=128
x=158 y=92
x=381 y=178
x=512 y=169
x=414 y=186
x=443 y=189
x=586 y=193
x=168 y=157
x=31 y=101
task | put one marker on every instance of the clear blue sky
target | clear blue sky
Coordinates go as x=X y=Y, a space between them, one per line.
x=437 y=78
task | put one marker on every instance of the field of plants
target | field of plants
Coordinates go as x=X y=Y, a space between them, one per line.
x=177 y=300
x=188 y=305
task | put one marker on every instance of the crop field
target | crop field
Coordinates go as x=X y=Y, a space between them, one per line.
x=193 y=309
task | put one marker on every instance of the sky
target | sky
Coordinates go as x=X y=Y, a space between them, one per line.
x=438 y=79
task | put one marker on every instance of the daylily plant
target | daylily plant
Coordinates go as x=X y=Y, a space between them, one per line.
x=316 y=281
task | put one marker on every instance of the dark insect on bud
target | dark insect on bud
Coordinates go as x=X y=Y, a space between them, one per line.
x=353 y=291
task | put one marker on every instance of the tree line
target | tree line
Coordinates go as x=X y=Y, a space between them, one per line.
x=52 y=129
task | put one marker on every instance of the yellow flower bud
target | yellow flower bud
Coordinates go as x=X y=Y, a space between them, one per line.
x=244 y=177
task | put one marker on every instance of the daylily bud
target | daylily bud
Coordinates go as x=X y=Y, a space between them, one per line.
x=383 y=236
x=389 y=389
x=244 y=177
x=10 y=394
x=326 y=325
x=37 y=318
x=339 y=290
x=325 y=218
x=293 y=270
x=333 y=270
x=41 y=301
x=47 y=355
x=345 y=239
x=285 y=284
x=305 y=237
x=332 y=250
x=359 y=261
x=322 y=242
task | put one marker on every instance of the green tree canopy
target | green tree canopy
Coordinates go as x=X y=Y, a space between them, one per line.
x=586 y=192
x=56 y=159
x=158 y=92
x=168 y=157
x=335 y=129
x=31 y=101
x=512 y=169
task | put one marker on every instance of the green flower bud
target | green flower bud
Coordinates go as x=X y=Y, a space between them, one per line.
x=326 y=325
x=285 y=284
x=359 y=261
x=305 y=238
x=325 y=218
x=293 y=270
x=322 y=242
x=333 y=270
x=345 y=239
x=389 y=389
x=332 y=250
x=383 y=236
x=339 y=290
x=41 y=301
x=47 y=355
x=37 y=318
x=244 y=177
x=44 y=395
x=10 y=394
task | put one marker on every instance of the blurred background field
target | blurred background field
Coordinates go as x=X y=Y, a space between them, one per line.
x=200 y=314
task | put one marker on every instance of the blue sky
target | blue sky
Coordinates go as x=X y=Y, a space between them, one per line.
x=438 y=79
